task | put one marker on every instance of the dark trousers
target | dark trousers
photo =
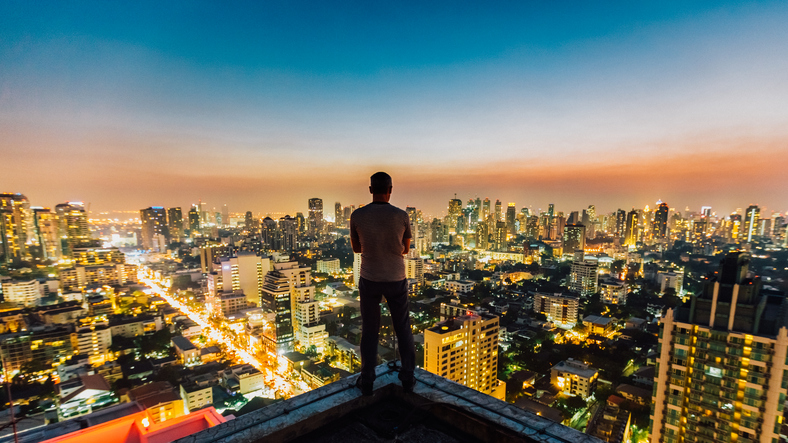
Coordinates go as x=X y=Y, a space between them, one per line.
x=396 y=294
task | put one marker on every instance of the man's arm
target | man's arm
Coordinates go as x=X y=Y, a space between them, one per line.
x=356 y=245
x=406 y=244
x=354 y=240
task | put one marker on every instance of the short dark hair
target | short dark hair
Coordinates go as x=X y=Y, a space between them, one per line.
x=380 y=182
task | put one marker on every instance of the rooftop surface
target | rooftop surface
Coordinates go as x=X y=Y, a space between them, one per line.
x=438 y=410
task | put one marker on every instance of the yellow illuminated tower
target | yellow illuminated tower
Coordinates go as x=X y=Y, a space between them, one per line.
x=464 y=349
x=17 y=226
x=721 y=369
x=73 y=221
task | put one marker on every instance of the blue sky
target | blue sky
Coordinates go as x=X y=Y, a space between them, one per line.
x=264 y=106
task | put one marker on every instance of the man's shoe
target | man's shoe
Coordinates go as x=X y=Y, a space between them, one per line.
x=407 y=385
x=366 y=387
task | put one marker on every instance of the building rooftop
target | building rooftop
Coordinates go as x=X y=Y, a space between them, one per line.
x=575 y=367
x=438 y=410
x=183 y=343
x=598 y=320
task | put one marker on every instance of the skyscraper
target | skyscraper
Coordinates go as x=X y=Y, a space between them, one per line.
x=511 y=214
x=574 y=238
x=16 y=225
x=315 y=221
x=46 y=227
x=339 y=219
x=499 y=237
x=276 y=297
x=465 y=350
x=155 y=234
x=498 y=211
x=455 y=212
x=621 y=223
x=583 y=277
x=631 y=231
x=73 y=222
x=485 y=210
x=194 y=219
x=721 y=369
x=175 y=224
x=750 y=224
x=660 y=227
x=482 y=235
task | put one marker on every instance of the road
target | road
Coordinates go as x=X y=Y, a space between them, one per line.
x=275 y=381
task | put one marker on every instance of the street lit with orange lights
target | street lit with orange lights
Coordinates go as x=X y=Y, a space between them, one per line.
x=276 y=379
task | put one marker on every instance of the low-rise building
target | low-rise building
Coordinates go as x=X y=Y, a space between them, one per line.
x=670 y=280
x=560 y=309
x=328 y=266
x=574 y=377
x=459 y=286
x=129 y=326
x=80 y=395
x=159 y=399
x=195 y=396
x=613 y=291
x=188 y=354
x=599 y=325
x=243 y=379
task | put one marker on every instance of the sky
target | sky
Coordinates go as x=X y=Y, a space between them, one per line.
x=263 y=105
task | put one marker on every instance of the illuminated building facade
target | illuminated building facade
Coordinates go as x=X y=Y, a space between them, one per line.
x=660 y=226
x=584 y=275
x=613 y=291
x=574 y=378
x=315 y=220
x=632 y=228
x=750 y=224
x=73 y=221
x=155 y=233
x=465 y=349
x=45 y=224
x=16 y=225
x=194 y=220
x=721 y=370
x=245 y=272
x=175 y=224
x=560 y=309
x=574 y=238
x=276 y=298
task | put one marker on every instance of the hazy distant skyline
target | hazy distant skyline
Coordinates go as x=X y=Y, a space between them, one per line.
x=264 y=106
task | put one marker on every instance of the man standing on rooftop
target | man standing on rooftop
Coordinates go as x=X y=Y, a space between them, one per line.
x=381 y=233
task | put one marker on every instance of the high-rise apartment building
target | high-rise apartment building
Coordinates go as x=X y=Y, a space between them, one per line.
x=750 y=225
x=276 y=298
x=244 y=272
x=454 y=213
x=288 y=233
x=499 y=237
x=574 y=238
x=175 y=224
x=73 y=222
x=584 y=275
x=498 y=215
x=632 y=229
x=194 y=220
x=485 y=210
x=339 y=219
x=559 y=308
x=17 y=226
x=482 y=235
x=304 y=308
x=621 y=223
x=511 y=217
x=660 y=226
x=315 y=221
x=155 y=233
x=464 y=349
x=46 y=229
x=721 y=371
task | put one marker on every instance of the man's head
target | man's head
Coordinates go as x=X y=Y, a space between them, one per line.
x=380 y=184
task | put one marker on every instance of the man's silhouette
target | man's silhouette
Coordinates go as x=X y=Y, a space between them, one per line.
x=381 y=233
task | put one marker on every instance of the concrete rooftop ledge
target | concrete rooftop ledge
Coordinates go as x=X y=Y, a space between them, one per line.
x=438 y=410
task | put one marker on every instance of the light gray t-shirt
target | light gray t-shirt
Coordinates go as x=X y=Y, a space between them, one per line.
x=380 y=229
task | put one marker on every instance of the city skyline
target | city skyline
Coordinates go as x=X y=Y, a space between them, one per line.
x=259 y=107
